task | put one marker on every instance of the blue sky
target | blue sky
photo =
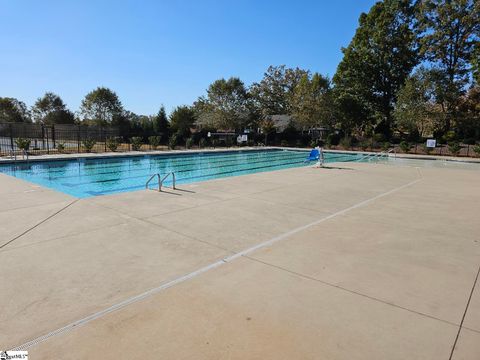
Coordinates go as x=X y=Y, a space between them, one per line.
x=163 y=52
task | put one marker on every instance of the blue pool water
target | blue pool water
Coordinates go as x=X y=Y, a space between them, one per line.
x=92 y=177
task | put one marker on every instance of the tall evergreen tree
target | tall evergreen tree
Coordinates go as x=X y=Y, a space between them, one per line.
x=182 y=119
x=375 y=65
x=161 y=124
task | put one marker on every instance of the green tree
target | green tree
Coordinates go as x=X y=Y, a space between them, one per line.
x=468 y=123
x=102 y=107
x=50 y=109
x=416 y=111
x=476 y=64
x=225 y=106
x=273 y=94
x=312 y=101
x=267 y=126
x=375 y=65
x=182 y=119
x=13 y=110
x=449 y=31
x=161 y=124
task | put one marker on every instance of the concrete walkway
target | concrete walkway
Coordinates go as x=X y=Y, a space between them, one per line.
x=355 y=261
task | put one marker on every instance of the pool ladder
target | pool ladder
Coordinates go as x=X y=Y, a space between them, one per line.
x=161 y=180
x=376 y=156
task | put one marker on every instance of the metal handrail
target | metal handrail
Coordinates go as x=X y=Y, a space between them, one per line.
x=150 y=179
x=161 y=180
x=383 y=153
x=166 y=176
x=377 y=155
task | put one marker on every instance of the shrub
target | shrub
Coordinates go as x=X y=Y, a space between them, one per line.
x=450 y=136
x=333 y=139
x=23 y=144
x=112 y=144
x=346 y=142
x=202 y=142
x=189 y=143
x=173 y=141
x=136 y=142
x=454 y=148
x=60 y=147
x=405 y=146
x=299 y=143
x=385 y=146
x=426 y=149
x=154 y=141
x=364 y=145
x=88 y=144
x=379 y=138
x=284 y=143
x=476 y=149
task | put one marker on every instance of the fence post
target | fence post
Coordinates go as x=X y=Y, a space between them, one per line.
x=43 y=137
x=468 y=149
x=78 y=138
x=46 y=132
x=53 y=137
x=104 y=135
x=11 y=136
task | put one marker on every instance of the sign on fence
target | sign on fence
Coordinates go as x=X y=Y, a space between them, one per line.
x=431 y=143
x=242 y=138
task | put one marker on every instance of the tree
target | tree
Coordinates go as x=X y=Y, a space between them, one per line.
x=13 y=110
x=268 y=126
x=225 y=106
x=50 y=109
x=468 y=125
x=161 y=124
x=375 y=65
x=273 y=94
x=449 y=31
x=416 y=111
x=312 y=101
x=102 y=107
x=182 y=119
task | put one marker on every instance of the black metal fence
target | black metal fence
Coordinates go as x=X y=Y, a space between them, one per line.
x=46 y=139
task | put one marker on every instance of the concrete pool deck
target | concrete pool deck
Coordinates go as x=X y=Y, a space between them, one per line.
x=354 y=261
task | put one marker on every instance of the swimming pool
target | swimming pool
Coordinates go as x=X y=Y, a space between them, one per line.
x=85 y=177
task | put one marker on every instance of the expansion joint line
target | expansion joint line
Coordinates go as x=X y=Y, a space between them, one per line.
x=38 y=224
x=464 y=314
x=202 y=270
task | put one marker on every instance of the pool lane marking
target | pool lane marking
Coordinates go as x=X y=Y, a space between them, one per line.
x=186 y=180
x=202 y=270
x=38 y=224
x=145 y=174
x=199 y=161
